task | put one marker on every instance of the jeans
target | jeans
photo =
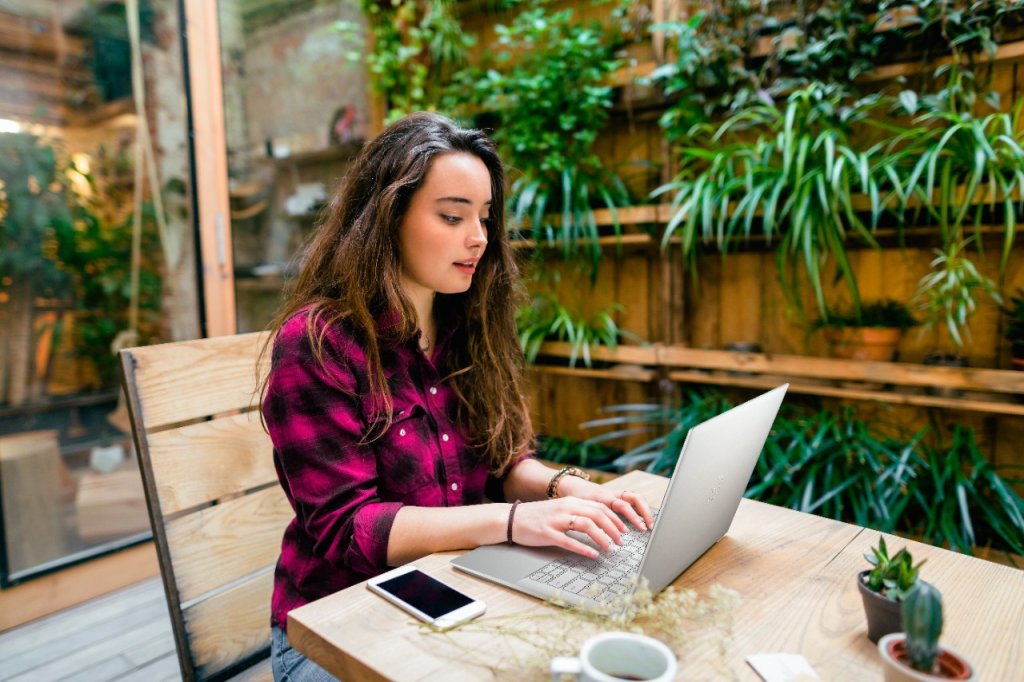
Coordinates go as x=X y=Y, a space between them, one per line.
x=289 y=665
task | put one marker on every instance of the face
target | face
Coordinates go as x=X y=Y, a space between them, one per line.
x=444 y=232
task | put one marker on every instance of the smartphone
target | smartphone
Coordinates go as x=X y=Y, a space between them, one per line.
x=426 y=597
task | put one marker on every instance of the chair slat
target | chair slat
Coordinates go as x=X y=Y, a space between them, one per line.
x=206 y=461
x=191 y=379
x=218 y=642
x=212 y=547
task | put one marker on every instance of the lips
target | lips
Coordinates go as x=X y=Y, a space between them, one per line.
x=467 y=266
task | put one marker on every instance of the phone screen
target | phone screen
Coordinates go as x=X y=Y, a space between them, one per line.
x=430 y=596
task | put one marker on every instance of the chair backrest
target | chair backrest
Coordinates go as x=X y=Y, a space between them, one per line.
x=217 y=510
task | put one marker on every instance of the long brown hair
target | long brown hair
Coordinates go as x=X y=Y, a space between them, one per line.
x=351 y=273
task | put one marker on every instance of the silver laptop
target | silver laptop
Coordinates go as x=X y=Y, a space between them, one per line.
x=709 y=479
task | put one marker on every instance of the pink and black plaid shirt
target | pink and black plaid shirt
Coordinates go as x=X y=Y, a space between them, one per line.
x=346 y=493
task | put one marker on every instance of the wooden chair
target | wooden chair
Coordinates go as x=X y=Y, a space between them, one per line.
x=217 y=510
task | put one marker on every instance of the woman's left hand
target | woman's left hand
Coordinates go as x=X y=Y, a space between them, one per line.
x=626 y=503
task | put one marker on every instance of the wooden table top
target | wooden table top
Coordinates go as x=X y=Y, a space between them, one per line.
x=795 y=574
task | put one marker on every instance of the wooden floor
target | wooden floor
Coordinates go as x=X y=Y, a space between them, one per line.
x=124 y=635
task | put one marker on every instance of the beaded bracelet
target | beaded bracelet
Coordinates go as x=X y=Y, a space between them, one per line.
x=565 y=471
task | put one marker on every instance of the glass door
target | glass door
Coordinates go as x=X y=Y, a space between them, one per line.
x=97 y=252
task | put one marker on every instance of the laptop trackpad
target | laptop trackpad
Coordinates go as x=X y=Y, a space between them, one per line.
x=504 y=563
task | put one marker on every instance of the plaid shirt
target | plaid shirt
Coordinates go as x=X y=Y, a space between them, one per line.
x=346 y=493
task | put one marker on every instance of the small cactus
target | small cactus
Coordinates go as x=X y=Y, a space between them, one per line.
x=922 y=621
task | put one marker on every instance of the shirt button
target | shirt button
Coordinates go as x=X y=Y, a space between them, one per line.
x=444 y=437
x=455 y=486
x=433 y=390
x=401 y=432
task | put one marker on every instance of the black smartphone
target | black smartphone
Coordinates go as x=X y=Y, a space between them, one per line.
x=426 y=597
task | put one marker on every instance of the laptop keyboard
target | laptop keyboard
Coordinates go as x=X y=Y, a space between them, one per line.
x=603 y=578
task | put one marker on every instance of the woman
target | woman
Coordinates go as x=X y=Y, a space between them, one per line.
x=394 y=399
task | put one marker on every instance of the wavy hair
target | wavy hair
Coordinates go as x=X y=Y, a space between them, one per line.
x=350 y=274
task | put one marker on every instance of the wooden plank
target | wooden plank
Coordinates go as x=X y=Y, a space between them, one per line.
x=623 y=373
x=216 y=545
x=886 y=396
x=199 y=463
x=624 y=353
x=218 y=640
x=211 y=166
x=222 y=374
x=967 y=378
x=48 y=594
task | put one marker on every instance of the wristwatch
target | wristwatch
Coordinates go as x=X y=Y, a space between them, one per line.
x=565 y=471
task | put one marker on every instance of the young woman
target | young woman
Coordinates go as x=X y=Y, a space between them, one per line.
x=394 y=399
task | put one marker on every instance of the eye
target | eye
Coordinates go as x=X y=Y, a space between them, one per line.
x=450 y=219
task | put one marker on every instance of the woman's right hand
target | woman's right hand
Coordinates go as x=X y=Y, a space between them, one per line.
x=548 y=522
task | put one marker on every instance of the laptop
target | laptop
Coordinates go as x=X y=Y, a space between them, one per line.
x=707 y=484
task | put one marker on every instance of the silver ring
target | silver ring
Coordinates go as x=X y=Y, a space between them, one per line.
x=572 y=521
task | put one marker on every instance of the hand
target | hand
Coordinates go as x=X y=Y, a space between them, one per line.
x=548 y=522
x=624 y=502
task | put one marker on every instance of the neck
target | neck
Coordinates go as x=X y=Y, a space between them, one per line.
x=424 y=307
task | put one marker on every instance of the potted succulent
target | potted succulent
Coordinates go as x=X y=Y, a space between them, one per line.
x=871 y=332
x=915 y=655
x=1015 y=329
x=884 y=586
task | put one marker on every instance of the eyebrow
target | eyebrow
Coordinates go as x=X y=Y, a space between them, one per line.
x=460 y=200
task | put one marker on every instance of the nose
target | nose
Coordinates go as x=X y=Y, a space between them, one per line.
x=477 y=238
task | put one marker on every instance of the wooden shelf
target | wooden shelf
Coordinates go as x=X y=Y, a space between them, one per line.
x=898 y=383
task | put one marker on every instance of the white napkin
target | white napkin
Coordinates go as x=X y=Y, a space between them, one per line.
x=782 y=667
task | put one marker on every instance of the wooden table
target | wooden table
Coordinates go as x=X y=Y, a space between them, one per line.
x=795 y=574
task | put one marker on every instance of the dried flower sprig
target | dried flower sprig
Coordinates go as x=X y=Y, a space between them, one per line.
x=521 y=645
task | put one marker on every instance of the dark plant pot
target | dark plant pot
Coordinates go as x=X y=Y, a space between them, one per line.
x=945 y=360
x=950 y=664
x=883 y=614
x=1018 y=355
x=743 y=347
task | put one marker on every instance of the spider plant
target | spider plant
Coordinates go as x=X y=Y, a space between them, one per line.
x=790 y=172
x=835 y=465
x=547 y=319
x=963 y=501
x=969 y=169
x=669 y=424
x=562 y=450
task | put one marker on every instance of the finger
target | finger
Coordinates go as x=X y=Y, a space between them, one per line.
x=600 y=529
x=572 y=544
x=639 y=508
x=624 y=508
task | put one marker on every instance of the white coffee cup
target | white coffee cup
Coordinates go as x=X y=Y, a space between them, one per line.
x=618 y=656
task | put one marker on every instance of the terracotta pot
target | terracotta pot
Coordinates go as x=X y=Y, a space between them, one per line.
x=950 y=665
x=864 y=343
x=883 y=614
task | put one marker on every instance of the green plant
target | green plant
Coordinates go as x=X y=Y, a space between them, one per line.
x=962 y=501
x=791 y=173
x=709 y=73
x=546 y=319
x=894 y=577
x=100 y=261
x=36 y=219
x=837 y=466
x=568 y=451
x=547 y=87
x=922 y=621
x=967 y=168
x=883 y=313
x=418 y=47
